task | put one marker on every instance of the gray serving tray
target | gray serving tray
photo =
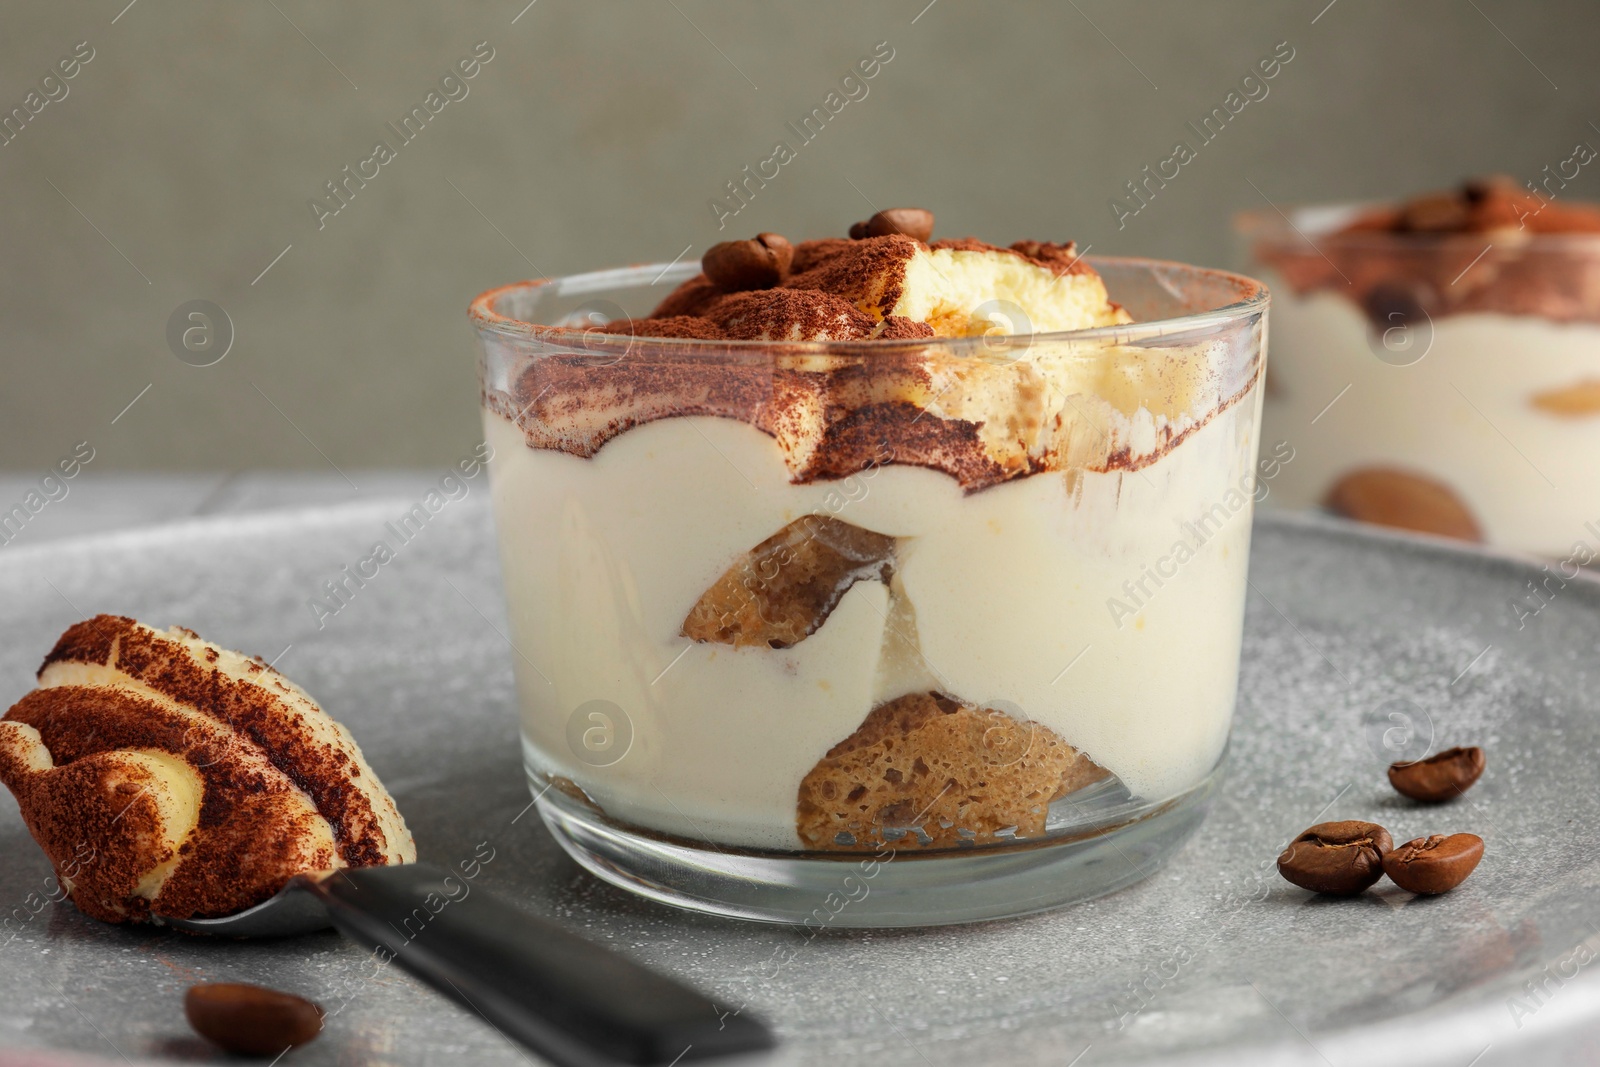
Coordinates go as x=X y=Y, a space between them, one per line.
x=1353 y=639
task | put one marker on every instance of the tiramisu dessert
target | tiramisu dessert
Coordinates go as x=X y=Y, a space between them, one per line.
x=871 y=540
x=1436 y=363
x=165 y=776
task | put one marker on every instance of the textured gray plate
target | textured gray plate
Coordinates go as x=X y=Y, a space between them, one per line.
x=1345 y=630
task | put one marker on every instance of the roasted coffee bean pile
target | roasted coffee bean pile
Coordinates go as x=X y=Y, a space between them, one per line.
x=763 y=261
x=1347 y=858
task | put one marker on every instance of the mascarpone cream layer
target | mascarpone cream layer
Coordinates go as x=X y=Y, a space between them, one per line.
x=1003 y=595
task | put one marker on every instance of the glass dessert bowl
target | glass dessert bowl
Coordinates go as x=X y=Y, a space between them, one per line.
x=874 y=632
x=1436 y=363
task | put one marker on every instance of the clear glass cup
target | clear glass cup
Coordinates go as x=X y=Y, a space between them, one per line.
x=1448 y=383
x=874 y=633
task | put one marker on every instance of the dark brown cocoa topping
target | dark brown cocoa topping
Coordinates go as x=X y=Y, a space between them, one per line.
x=1434 y=864
x=252 y=827
x=1441 y=777
x=94 y=819
x=900 y=328
x=758 y=263
x=808 y=254
x=832 y=415
x=572 y=405
x=1467 y=250
x=967 y=244
x=868 y=271
x=789 y=315
x=1061 y=259
x=1337 y=858
x=768 y=314
x=251 y=707
x=690 y=298
x=1481 y=206
x=688 y=327
x=826 y=276
x=913 y=222
x=897 y=432
x=860 y=273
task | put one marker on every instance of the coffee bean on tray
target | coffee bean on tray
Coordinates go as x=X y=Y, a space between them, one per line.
x=251 y=1020
x=1442 y=776
x=1434 y=864
x=1338 y=858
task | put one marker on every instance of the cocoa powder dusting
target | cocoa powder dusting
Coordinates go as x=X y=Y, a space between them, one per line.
x=832 y=415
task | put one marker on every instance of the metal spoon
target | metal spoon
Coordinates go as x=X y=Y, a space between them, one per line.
x=566 y=998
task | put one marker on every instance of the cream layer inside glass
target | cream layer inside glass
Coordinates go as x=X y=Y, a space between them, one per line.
x=1103 y=604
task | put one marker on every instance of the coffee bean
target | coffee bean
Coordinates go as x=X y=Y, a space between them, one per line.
x=251 y=1020
x=782 y=251
x=1339 y=858
x=758 y=263
x=1477 y=190
x=911 y=221
x=1391 y=305
x=1442 y=776
x=1435 y=864
x=858 y=230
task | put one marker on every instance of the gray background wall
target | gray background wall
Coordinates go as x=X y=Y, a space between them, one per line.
x=181 y=162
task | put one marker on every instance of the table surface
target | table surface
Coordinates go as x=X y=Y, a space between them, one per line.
x=1213 y=959
x=107 y=501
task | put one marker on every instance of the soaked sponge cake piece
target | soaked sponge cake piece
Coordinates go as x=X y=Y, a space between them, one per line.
x=783 y=589
x=925 y=771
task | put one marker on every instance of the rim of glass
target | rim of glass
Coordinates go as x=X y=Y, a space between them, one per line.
x=1254 y=298
x=1312 y=227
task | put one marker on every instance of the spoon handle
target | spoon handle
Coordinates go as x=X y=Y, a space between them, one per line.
x=568 y=999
